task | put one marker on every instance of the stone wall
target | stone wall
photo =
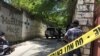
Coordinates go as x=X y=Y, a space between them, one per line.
x=84 y=13
x=86 y=50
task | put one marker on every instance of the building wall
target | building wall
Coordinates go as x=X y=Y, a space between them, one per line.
x=84 y=13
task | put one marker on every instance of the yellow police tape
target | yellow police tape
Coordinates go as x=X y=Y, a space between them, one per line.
x=81 y=41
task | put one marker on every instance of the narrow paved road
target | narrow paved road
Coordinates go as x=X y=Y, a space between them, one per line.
x=37 y=47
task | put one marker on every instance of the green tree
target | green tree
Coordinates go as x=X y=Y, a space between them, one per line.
x=54 y=12
x=97 y=1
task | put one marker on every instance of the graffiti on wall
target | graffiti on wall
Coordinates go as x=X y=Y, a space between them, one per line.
x=13 y=30
x=12 y=21
x=13 y=25
x=27 y=24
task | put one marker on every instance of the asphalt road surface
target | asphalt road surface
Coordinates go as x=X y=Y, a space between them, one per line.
x=37 y=47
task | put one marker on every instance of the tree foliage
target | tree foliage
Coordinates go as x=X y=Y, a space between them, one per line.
x=54 y=12
x=97 y=1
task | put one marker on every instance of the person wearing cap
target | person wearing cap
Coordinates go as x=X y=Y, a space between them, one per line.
x=3 y=39
x=71 y=34
x=4 y=44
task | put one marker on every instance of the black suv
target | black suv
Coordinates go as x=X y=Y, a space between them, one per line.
x=51 y=32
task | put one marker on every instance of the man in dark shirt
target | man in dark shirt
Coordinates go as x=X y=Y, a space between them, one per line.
x=72 y=34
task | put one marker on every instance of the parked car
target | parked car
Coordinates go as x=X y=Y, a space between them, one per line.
x=51 y=32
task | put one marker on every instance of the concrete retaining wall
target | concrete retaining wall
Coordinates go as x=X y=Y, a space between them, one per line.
x=19 y=25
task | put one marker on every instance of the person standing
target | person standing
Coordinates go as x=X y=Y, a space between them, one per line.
x=71 y=34
x=59 y=34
